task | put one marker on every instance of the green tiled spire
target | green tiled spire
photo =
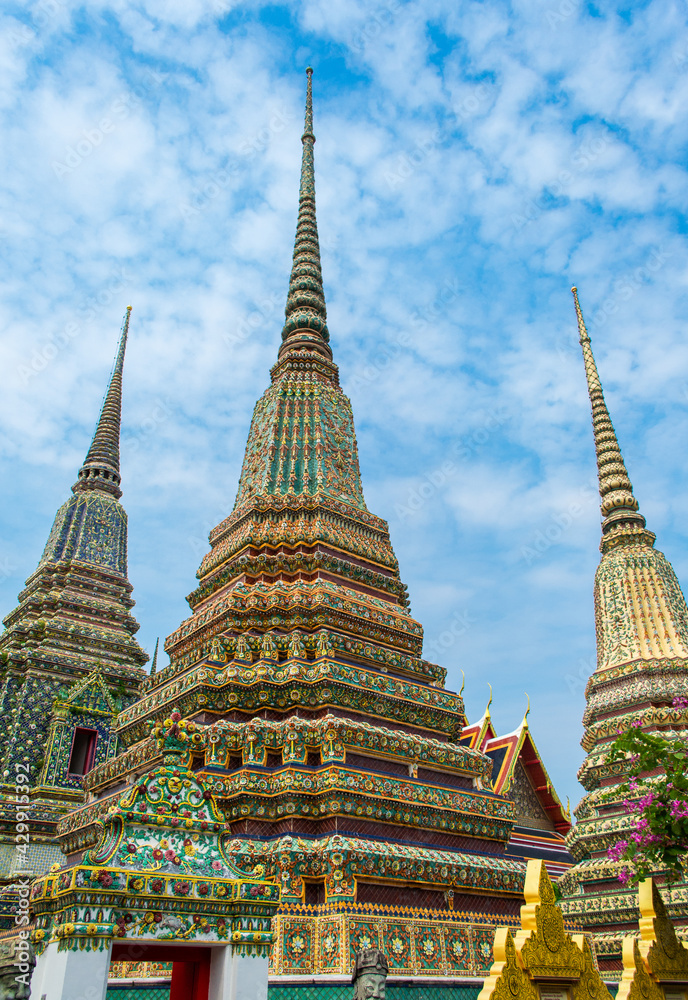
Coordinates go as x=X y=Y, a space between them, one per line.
x=68 y=655
x=100 y=470
x=306 y=316
x=302 y=441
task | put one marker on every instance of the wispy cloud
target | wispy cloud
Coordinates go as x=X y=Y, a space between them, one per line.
x=473 y=161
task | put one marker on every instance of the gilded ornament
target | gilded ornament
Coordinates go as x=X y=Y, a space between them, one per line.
x=507 y=978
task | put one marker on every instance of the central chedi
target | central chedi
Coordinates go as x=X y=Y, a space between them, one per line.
x=328 y=741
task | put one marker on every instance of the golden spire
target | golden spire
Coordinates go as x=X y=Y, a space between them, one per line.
x=618 y=506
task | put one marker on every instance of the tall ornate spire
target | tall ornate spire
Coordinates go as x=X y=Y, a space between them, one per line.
x=302 y=441
x=306 y=316
x=100 y=470
x=618 y=506
x=154 y=664
x=641 y=621
x=640 y=611
x=68 y=655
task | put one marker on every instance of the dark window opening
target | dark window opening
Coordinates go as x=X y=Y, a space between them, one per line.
x=281 y=655
x=274 y=760
x=401 y=895
x=313 y=758
x=314 y=894
x=83 y=751
x=234 y=763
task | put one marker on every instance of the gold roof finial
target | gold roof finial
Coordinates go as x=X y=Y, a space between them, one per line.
x=487 y=710
x=618 y=504
x=463 y=681
x=525 y=717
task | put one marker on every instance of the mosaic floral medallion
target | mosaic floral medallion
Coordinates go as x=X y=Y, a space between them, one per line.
x=483 y=948
x=428 y=948
x=458 y=950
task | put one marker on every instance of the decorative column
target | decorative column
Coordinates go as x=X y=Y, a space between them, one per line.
x=158 y=886
x=71 y=975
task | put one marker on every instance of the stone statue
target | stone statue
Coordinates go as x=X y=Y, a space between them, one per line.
x=370 y=975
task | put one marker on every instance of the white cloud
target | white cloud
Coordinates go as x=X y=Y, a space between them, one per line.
x=472 y=162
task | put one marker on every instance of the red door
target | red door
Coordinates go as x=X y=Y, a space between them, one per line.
x=190 y=966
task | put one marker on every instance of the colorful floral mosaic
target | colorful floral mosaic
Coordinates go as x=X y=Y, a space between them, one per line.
x=329 y=745
x=159 y=871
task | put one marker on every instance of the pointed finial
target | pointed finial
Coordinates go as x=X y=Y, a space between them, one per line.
x=100 y=470
x=618 y=504
x=305 y=328
x=487 y=710
x=525 y=717
x=308 y=122
x=154 y=664
x=463 y=682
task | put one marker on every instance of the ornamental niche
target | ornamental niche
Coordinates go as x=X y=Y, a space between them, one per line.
x=159 y=875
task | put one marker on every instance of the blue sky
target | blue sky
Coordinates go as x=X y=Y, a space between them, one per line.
x=473 y=161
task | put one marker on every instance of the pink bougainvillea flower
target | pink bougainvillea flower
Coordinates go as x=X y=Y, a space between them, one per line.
x=616 y=851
